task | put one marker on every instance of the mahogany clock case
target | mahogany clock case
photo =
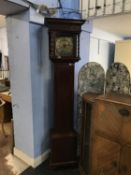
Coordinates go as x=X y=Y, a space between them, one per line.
x=63 y=136
x=64 y=52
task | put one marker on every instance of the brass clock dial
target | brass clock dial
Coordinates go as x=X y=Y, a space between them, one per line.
x=64 y=46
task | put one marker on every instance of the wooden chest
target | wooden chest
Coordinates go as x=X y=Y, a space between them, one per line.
x=88 y=101
x=108 y=136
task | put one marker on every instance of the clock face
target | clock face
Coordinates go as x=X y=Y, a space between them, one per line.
x=64 y=46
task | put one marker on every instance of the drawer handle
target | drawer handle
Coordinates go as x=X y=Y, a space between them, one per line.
x=124 y=112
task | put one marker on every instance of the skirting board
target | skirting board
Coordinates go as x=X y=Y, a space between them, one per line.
x=29 y=160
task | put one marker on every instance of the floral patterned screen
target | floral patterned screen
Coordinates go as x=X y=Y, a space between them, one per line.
x=118 y=79
x=91 y=79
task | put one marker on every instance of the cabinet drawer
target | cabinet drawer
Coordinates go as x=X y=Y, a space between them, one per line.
x=112 y=121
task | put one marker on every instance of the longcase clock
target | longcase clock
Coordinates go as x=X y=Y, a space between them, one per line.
x=64 y=52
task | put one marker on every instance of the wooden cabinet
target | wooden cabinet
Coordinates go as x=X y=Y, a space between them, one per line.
x=109 y=136
x=88 y=101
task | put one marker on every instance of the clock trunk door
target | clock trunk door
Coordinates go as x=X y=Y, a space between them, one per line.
x=63 y=96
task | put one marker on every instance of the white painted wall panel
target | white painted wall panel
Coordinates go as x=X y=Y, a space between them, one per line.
x=20 y=69
x=99 y=52
x=3 y=41
x=4 y=50
x=102 y=47
x=84 y=8
x=101 y=4
x=111 y=7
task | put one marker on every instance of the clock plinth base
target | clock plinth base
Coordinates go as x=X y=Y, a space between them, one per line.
x=63 y=149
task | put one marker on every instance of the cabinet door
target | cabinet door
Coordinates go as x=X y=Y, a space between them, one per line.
x=105 y=156
x=106 y=121
x=105 y=139
x=125 y=160
x=125 y=114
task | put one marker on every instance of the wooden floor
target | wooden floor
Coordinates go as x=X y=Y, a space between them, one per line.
x=9 y=164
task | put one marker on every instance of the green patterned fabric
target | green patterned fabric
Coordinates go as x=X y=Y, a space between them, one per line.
x=91 y=79
x=118 y=79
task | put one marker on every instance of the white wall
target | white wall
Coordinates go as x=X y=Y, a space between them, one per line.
x=98 y=33
x=42 y=88
x=102 y=45
x=3 y=41
x=4 y=50
x=20 y=69
x=30 y=86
